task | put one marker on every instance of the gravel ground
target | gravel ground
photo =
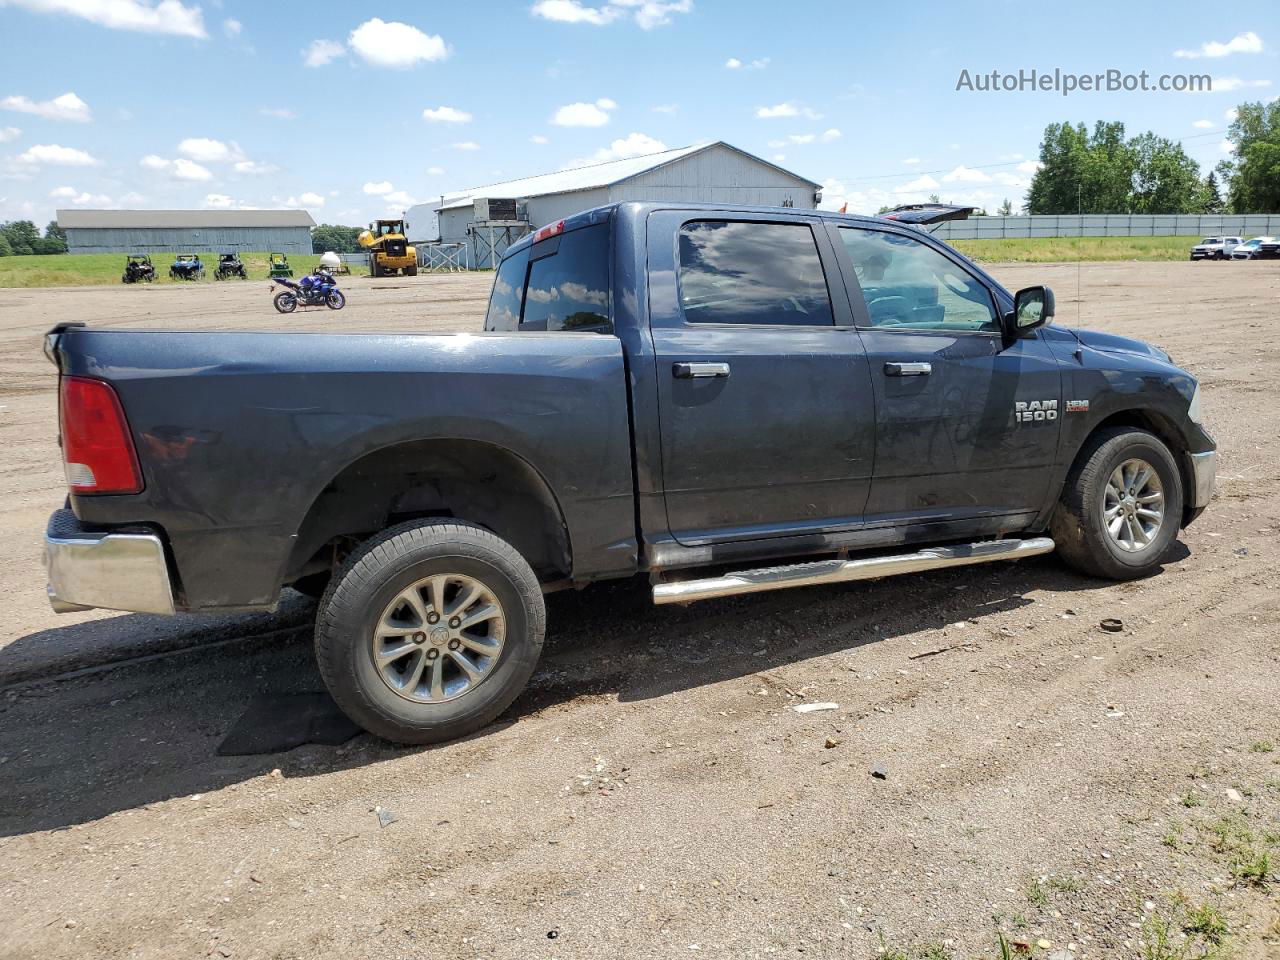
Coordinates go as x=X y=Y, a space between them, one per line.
x=654 y=794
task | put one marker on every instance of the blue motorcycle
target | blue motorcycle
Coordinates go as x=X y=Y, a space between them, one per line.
x=317 y=289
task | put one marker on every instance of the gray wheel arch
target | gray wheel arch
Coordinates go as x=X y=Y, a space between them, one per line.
x=472 y=480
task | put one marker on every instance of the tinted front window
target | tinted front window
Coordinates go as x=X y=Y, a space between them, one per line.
x=508 y=293
x=908 y=285
x=569 y=289
x=758 y=273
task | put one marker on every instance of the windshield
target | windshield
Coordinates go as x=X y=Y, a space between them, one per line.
x=1211 y=240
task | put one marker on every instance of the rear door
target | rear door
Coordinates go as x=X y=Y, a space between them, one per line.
x=764 y=396
x=965 y=427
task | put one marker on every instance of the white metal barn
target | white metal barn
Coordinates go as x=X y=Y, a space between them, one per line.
x=708 y=173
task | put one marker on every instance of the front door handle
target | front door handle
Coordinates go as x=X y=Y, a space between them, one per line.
x=895 y=369
x=698 y=371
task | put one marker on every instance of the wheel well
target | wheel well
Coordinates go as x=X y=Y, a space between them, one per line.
x=463 y=479
x=1162 y=427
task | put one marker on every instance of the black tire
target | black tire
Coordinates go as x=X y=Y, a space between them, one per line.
x=411 y=271
x=285 y=301
x=1078 y=525
x=373 y=576
x=335 y=300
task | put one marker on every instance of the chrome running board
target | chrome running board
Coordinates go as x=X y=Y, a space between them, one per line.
x=840 y=571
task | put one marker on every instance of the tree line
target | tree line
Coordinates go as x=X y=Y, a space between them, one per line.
x=22 y=238
x=1102 y=171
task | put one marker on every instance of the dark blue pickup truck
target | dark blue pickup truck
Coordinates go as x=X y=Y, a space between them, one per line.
x=727 y=400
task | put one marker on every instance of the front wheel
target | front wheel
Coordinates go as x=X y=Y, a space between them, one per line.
x=429 y=631
x=1121 y=506
x=286 y=302
x=336 y=300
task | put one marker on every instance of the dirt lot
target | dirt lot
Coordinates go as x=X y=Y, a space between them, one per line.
x=653 y=794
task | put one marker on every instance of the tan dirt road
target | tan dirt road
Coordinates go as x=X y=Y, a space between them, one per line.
x=653 y=794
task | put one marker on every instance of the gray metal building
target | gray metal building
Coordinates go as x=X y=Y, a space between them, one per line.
x=186 y=231
x=706 y=173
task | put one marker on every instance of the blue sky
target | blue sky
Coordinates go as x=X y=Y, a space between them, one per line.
x=356 y=110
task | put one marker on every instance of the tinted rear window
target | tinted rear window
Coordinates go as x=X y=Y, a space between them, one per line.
x=568 y=286
x=757 y=273
x=508 y=293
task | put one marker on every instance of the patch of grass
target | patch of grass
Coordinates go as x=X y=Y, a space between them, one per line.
x=104 y=269
x=1066 y=884
x=1035 y=894
x=1163 y=939
x=1262 y=746
x=1207 y=921
x=928 y=951
x=1073 y=249
x=1192 y=799
x=1253 y=867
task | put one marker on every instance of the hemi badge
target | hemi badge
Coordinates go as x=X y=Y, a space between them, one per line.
x=1077 y=406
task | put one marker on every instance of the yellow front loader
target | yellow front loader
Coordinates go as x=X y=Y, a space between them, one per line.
x=389 y=251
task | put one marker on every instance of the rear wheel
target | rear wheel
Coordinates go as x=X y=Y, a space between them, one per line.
x=411 y=271
x=429 y=631
x=1121 y=507
x=336 y=301
x=286 y=302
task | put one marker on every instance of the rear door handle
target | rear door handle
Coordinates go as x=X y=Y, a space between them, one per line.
x=894 y=369
x=698 y=371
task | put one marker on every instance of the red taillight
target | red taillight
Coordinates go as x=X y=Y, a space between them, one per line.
x=96 y=446
x=550 y=230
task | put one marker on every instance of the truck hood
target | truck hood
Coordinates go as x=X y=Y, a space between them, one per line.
x=1111 y=343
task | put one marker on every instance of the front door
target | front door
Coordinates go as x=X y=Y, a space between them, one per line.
x=764 y=394
x=965 y=427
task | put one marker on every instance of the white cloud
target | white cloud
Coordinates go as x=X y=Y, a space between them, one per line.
x=1226 y=146
x=435 y=171
x=218 y=201
x=584 y=114
x=800 y=139
x=1028 y=166
x=667 y=108
x=632 y=145
x=1012 y=180
x=80 y=198
x=733 y=63
x=538 y=139
x=66 y=107
x=1241 y=43
x=1231 y=115
x=280 y=113
x=399 y=199
x=321 y=52
x=394 y=44
x=1227 y=84
x=779 y=158
x=153 y=162
x=446 y=115
x=963 y=174
x=920 y=183
x=232 y=27
x=1204 y=124
x=9 y=133
x=787 y=110
x=133 y=199
x=57 y=156
x=204 y=150
x=254 y=167
x=465 y=145
x=166 y=16
x=911 y=161
x=646 y=13
x=378 y=188
x=184 y=169
x=309 y=199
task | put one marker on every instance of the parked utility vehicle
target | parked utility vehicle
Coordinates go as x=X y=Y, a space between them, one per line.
x=724 y=399
x=1215 y=248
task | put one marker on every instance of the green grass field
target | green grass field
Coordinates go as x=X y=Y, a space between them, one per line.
x=104 y=269
x=1074 y=249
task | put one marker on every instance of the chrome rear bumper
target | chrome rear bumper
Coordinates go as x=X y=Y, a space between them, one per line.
x=1204 y=469
x=114 y=571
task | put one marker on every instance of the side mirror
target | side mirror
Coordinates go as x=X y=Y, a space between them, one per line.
x=1032 y=307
